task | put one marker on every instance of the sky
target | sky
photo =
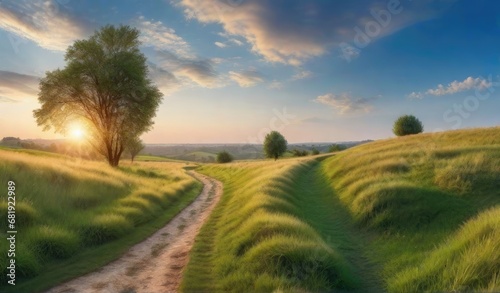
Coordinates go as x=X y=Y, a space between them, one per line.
x=233 y=70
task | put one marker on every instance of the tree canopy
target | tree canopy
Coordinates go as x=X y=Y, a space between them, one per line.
x=224 y=157
x=275 y=145
x=105 y=87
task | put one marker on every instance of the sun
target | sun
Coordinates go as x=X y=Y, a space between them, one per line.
x=77 y=133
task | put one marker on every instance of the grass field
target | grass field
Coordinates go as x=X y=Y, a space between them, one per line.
x=74 y=216
x=266 y=233
x=432 y=204
x=412 y=214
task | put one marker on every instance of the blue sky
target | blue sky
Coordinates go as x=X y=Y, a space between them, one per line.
x=232 y=70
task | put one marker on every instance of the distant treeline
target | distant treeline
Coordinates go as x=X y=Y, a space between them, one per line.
x=64 y=147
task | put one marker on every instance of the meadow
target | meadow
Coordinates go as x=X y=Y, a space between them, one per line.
x=73 y=216
x=411 y=214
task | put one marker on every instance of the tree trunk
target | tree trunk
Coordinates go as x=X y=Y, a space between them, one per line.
x=113 y=159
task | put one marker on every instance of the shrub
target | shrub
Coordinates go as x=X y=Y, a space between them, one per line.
x=406 y=125
x=315 y=151
x=224 y=157
x=299 y=153
x=336 y=148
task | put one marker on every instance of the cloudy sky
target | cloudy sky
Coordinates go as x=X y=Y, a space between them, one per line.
x=231 y=70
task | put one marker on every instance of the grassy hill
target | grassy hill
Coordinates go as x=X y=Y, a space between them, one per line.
x=73 y=216
x=411 y=214
x=432 y=203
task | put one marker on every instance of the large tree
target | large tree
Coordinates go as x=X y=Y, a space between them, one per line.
x=104 y=86
x=275 y=145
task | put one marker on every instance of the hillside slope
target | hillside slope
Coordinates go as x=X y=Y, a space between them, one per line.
x=410 y=214
x=73 y=216
x=431 y=203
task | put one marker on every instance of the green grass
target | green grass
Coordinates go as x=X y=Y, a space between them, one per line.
x=430 y=203
x=74 y=216
x=411 y=214
x=146 y=158
x=274 y=230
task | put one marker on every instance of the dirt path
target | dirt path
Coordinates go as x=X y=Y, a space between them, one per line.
x=157 y=263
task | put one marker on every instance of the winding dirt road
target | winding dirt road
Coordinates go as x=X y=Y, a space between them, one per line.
x=157 y=263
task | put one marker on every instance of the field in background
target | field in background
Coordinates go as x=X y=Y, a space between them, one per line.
x=73 y=216
x=412 y=214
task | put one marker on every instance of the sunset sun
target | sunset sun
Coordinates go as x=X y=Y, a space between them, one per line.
x=77 y=133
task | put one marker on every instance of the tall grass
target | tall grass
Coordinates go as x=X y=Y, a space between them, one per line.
x=430 y=203
x=67 y=207
x=411 y=214
x=263 y=236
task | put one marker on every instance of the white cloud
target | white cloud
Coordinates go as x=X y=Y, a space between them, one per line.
x=161 y=37
x=345 y=103
x=166 y=81
x=302 y=75
x=246 y=78
x=220 y=45
x=248 y=20
x=349 y=52
x=17 y=87
x=198 y=71
x=236 y=42
x=300 y=30
x=47 y=23
x=277 y=85
x=470 y=83
x=176 y=64
x=416 y=95
x=459 y=86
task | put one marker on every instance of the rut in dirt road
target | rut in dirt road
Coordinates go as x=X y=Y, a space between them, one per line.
x=157 y=263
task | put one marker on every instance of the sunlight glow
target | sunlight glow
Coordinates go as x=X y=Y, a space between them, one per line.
x=77 y=133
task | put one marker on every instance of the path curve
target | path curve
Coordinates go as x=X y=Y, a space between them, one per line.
x=157 y=263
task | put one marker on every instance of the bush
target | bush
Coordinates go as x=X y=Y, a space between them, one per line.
x=406 y=125
x=315 y=151
x=299 y=153
x=336 y=148
x=224 y=157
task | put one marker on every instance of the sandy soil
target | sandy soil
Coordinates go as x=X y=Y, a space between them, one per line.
x=157 y=263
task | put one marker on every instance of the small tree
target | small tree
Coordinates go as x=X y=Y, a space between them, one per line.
x=134 y=146
x=315 y=151
x=275 y=145
x=406 y=125
x=224 y=157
